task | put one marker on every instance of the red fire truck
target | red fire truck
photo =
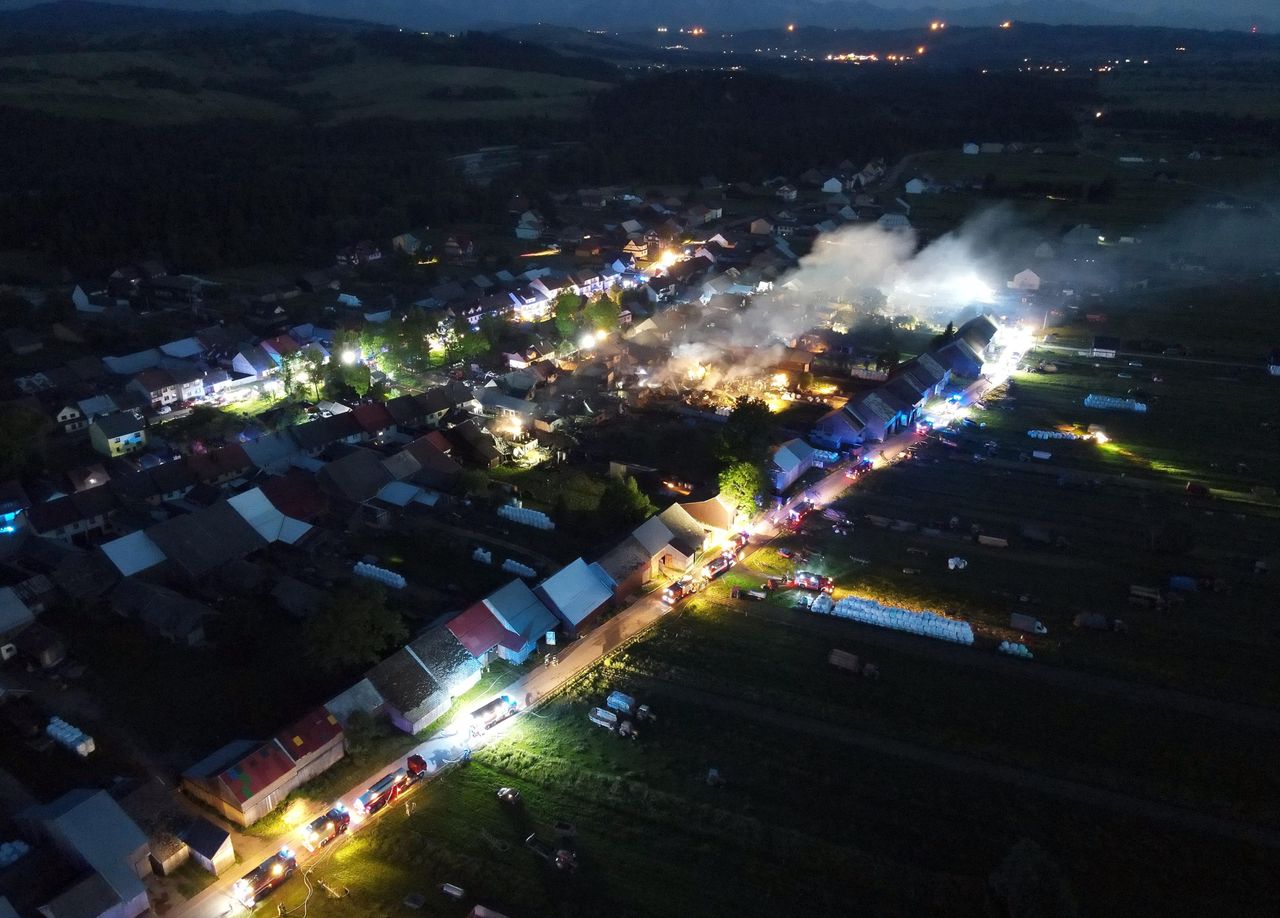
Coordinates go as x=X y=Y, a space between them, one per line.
x=254 y=885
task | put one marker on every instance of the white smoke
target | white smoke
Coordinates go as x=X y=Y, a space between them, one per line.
x=880 y=270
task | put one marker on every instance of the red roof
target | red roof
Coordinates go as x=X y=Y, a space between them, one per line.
x=373 y=417
x=437 y=439
x=311 y=734
x=256 y=772
x=295 y=494
x=282 y=345
x=226 y=460
x=479 y=630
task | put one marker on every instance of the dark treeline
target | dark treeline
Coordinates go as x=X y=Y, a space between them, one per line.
x=744 y=126
x=484 y=49
x=94 y=194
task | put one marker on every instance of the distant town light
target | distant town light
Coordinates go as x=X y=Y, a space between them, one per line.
x=1007 y=24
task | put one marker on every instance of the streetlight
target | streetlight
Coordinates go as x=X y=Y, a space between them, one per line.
x=348 y=356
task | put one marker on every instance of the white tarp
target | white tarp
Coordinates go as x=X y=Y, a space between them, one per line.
x=266 y=520
x=133 y=553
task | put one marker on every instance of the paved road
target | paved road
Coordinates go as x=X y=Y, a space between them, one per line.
x=966 y=765
x=448 y=746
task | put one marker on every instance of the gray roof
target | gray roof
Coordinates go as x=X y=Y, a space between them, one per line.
x=520 y=611
x=257 y=358
x=360 y=697
x=202 y=541
x=357 y=476
x=625 y=559
x=575 y=591
x=160 y=609
x=653 y=535
x=448 y=662
x=102 y=834
x=406 y=684
x=297 y=598
x=14 y=613
x=204 y=838
x=687 y=533
x=92 y=897
x=273 y=451
x=120 y=423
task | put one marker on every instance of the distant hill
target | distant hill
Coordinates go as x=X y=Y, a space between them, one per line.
x=83 y=17
x=164 y=67
x=631 y=15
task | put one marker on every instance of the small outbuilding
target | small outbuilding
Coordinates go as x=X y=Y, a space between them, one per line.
x=210 y=846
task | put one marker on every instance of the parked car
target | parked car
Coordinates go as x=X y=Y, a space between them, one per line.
x=717 y=566
x=509 y=795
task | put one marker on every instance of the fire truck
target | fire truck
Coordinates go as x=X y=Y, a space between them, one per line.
x=804 y=580
x=383 y=792
x=685 y=586
x=328 y=827
x=272 y=872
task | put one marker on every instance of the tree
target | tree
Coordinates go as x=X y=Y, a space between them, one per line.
x=356 y=375
x=473 y=482
x=948 y=334
x=747 y=432
x=623 y=499
x=23 y=435
x=354 y=628
x=741 y=483
x=887 y=359
x=493 y=329
x=601 y=314
x=565 y=310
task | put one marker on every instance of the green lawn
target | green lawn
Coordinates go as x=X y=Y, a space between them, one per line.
x=800 y=825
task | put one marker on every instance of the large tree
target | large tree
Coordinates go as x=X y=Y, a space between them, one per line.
x=565 y=310
x=354 y=628
x=746 y=434
x=741 y=483
x=623 y=499
x=24 y=432
x=601 y=314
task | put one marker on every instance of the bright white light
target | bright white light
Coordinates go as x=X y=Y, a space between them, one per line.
x=586 y=341
x=601 y=335
x=348 y=356
x=971 y=287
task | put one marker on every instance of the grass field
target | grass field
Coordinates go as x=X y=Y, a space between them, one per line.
x=802 y=824
x=155 y=87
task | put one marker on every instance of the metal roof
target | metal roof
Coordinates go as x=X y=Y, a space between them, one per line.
x=134 y=553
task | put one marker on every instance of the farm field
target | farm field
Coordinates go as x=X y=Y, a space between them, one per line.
x=189 y=85
x=804 y=820
x=1089 y=522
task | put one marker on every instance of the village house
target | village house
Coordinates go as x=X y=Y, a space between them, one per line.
x=91 y=830
x=118 y=434
x=790 y=461
x=244 y=780
x=507 y=623
x=578 y=594
x=210 y=846
x=156 y=386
